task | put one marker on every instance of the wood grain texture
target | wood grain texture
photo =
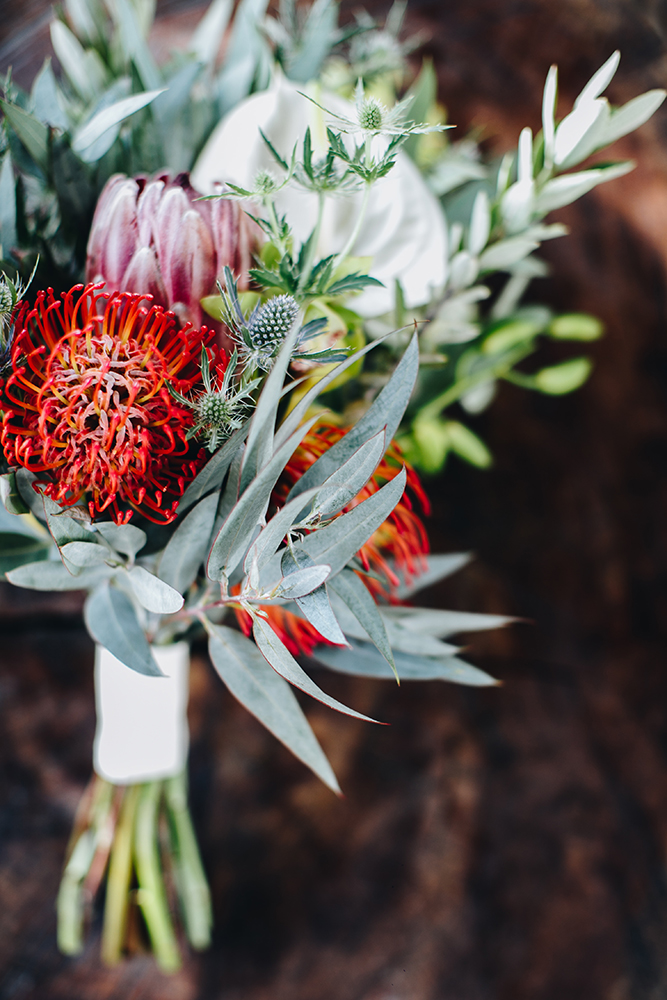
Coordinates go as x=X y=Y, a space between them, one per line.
x=505 y=844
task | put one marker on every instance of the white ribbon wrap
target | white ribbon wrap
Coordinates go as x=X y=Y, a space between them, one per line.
x=142 y=728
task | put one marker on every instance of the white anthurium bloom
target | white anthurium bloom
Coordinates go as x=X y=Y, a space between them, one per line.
x=404 y=228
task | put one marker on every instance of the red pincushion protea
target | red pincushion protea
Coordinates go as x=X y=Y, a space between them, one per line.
x=401 y=540
x=87 y=402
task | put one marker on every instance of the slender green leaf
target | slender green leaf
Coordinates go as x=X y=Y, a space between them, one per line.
x=438 y=567
x=236 y=533
x=188 y=546
x=211 y=477
x=433 y=621
x=260 y=444
x=363 y=660
x=112 y=622
x=354 y=593
x=268 y=697
x=135 y=45
x=33 y=134
x=207 y=36
x=341 y=540
x=7 y=207
x=267 y=542
x=109 y=118
x=12 y=501
x=352 y=476
x=315 y=606
x=632 y=115
x=282 y=661
x=385 y=414
x=300 y=583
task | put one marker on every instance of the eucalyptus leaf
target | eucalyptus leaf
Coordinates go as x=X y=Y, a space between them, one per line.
x=564 y=190
x=315 y=43
x=112 y=622
x=339 y=541
x=188 y=546
x=12 y=500
x=55 y=576
x=18 y=549
x=243 y=54
x=125 y=538
x=85 y=554
x=363 y=660
x=282 y=661
x=44 y=99
x=83 y=67
x=135 y=45
x=504 y=254
x=152 y=593
x=268 y=697
x=385 y=414
x=62 y=526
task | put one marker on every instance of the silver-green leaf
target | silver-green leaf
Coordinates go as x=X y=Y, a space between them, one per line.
x=112 y=622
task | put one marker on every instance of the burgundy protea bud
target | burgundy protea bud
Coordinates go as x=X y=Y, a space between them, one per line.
x=153 y=237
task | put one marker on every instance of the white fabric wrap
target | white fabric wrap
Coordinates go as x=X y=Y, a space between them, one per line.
x=142 y=727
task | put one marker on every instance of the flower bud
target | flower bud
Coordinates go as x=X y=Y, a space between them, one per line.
x=154 y=237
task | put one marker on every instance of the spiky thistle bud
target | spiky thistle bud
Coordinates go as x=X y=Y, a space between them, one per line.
x=269 y=326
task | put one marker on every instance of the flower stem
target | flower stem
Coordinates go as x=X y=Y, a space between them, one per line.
x=71 y=902
x=193 y=888
x=119 y=880
x=357 y=228
x=312 y=250
x=151 y=894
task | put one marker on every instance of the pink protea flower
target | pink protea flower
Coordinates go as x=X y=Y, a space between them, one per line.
x=153 y=237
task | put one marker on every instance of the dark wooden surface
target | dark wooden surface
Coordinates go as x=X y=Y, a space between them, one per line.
x=505 y=844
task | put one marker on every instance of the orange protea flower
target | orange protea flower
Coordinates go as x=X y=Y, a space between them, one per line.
x=87 y=406
x=401 y=540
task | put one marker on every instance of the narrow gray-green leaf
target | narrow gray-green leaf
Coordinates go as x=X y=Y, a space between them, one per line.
x=125 y=538
x=363 y=660
x=341 y=540
x=632 y=115
x=109 y=118
x=64 y=528
x=135 y=44
x=55 y=576
x=354 y=593
x=295 y=416
x=243 y=54
x=268 y=697
x=154 y=594
x=236 y=533
x=260 y=444
x=437 y=568
x=44 y=98
x=210 y=478
x=385 y=413
x=352 y=476
x=433 y=621
x=316 y=605
x=12 y=501
x=302 y=582
x=188 y=546
x=18 y=550
x=112 y=622
x=267 y=542
x=282 y=661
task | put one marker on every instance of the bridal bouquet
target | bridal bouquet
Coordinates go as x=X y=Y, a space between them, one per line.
x=238 y=296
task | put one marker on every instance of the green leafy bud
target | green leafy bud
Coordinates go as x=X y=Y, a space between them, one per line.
x=563 y=378
x=370 y=115
x=576 y=326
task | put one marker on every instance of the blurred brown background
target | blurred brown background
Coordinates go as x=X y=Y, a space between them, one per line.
x=505 y=844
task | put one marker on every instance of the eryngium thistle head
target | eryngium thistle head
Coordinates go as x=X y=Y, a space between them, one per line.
x=270 y=324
